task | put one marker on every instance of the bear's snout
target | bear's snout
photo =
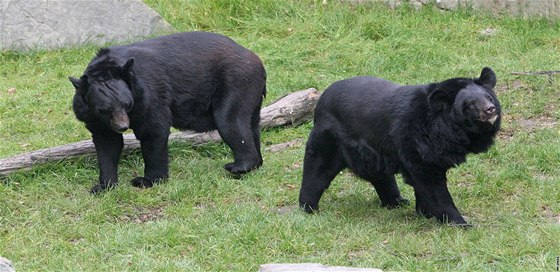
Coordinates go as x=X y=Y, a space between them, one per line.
x=488 y=112
x=120 y=121
x=490 y=109
x=121 y=128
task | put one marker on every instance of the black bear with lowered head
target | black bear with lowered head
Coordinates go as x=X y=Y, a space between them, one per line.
x=377 y=128
x=194 y=80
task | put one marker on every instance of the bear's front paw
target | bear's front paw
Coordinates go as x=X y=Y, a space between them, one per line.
x=240 y=168
x=309 y=208
x=422 y=211
x=142 y=182
x=458 y=221
x=396 y=203
x=100 y=187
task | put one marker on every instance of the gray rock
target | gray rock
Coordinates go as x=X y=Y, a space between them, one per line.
x=447 y=4
x=395 y=3
x=488 y=32
x=311 y=267
x=524 y=8
x=44 y=24
x=6 y=265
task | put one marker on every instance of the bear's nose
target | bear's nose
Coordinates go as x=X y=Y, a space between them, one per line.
x=121 y=128
x=120 y=121
x=490 y=109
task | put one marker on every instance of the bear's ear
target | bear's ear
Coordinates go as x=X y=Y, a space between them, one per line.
x=127 y=67
x=487 y=78
x=439 y=99
x=76 y=82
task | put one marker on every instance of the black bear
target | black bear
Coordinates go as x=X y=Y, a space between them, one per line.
x=194 y=80
x=377 y=128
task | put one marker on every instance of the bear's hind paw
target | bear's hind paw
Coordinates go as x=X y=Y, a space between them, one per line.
x=100 y=187
x=142 y=182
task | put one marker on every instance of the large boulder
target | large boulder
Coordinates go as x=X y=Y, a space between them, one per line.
x=524 y=8
x=45 y=24
x=6 y=265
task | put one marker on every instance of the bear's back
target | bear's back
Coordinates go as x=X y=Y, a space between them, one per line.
x=188 y=65
x=365 y=103
x=187 y=52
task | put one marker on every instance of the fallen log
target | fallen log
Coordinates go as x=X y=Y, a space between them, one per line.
x=292 y=109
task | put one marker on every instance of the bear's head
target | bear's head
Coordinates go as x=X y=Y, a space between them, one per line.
x=471 y=103
x=103 y=93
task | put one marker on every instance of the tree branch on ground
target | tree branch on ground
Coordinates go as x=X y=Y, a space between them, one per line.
x=292 y=109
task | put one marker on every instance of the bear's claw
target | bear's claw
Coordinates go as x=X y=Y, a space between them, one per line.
x=142 y=182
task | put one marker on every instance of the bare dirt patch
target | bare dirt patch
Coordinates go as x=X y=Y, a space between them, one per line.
x=538 y=123
x=285 y=209
x=512 y=125
x=281 y=146
x=141 y=215
x=549 y=215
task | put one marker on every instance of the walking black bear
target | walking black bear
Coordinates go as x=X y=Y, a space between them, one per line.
x=377 y=128
x=194 y=80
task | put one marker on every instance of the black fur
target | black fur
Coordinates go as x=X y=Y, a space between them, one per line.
x=377 y=128
x=195 y=80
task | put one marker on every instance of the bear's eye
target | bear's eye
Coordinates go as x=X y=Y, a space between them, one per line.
x=104 y=111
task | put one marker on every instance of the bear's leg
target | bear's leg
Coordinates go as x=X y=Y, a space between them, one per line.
x=388 y=191
x=256 y=129
x=437 y=202
x=322 y=162
x=108 y=146
x=156 y=161
x=235 y=130
x=433 y=198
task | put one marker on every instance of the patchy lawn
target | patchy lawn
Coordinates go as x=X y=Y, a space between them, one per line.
x=203 y=220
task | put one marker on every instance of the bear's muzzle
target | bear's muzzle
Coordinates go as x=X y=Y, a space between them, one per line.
x=120 y=121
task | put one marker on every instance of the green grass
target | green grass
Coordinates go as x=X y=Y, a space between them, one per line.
x=202 y=220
